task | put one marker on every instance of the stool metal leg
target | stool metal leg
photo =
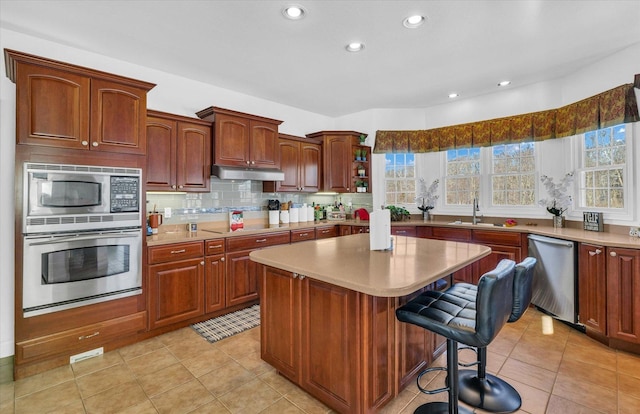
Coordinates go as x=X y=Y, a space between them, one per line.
x=486 y=391
x=452 y=406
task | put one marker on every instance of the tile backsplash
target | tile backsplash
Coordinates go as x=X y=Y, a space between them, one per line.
x=245 y=195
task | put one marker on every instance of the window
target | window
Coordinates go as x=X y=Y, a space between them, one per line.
x=513 y=179
x=463 y=175
x=400 y=179
x=603 y=161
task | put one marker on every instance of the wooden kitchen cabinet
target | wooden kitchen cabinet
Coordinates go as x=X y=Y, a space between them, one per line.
x=592 y=288
x=408 y=231
x=338 y=168
x=179 y=156
x=302 y=235
x=623 y=294
x=242 y=277
x=214 y=276
x=70 y=107
x=243 y=140
x=466 y=274
x=176 y=281
x=504 y=245
x=324 y=232
x=300 y=160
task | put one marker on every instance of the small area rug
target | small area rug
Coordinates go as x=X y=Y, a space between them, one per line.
x=230 y=324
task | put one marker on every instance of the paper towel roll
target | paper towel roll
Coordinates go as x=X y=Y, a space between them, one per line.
x=294 y=215
x=380 y=229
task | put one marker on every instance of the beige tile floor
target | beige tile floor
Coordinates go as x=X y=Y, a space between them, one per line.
x=179 y=372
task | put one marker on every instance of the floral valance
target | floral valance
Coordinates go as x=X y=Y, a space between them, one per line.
x=609 y=108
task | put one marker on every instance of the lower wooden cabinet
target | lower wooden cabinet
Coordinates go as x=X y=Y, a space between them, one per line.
x=623 y=294
x=214 y=276
x=592 y=287
x=323 y=232
x=241 y=278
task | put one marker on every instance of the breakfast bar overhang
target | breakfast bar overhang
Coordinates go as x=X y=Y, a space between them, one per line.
x=328 y=314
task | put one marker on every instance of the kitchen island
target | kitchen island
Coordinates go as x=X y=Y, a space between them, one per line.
x=328 y=314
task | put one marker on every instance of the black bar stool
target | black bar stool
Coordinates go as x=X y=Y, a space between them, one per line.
x=477 y=388
x=470 y=322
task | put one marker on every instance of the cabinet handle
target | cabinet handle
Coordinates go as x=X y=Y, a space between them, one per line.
x=80 y=338
x=261 y=240
x=303 y=234
x=84 y=143
x=95 y=144
x=401 y=232
x=248 y=162
x=202 y=263
x=178 y=251
x=222 y=259
x=324 y=231
x=173 y=186
x=613 y=254
x=217 y=246
x=302 y=277
x=253 y=162
x=295 y=275
x=181 y=186
x=593 y=253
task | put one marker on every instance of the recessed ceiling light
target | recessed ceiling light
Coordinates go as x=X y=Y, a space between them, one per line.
x=412 y=22
x=504 y=83
x=293 y=12
x=453 y=95
x=354 y=47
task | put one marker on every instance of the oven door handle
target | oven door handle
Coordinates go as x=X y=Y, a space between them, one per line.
x=85 y=237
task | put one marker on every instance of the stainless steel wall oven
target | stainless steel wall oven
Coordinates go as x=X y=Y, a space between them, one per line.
x=82 y=236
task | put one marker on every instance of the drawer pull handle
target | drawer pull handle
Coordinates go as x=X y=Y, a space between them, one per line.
x=217 y=246
x=613 y=254
x=80 y=338
x=401 y=231
x=593 y=253
x=325 y=231
x=303 y=234
x=178 y=251
x=261 y=240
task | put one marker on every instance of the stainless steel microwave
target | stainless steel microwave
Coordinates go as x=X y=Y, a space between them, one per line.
x=60 y=197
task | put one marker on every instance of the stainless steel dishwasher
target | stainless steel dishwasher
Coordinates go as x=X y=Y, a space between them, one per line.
x=555 y=278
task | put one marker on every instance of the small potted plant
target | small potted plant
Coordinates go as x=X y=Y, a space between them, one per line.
x=362 y=138
x=364 y=154
x=360 y=187
x=428 y=197
x=398 y=213
x=358 y=152
x=361 y=171
x=559 y=200
x=365 y=184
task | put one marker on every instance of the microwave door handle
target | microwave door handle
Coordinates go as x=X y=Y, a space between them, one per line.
x=83 y=237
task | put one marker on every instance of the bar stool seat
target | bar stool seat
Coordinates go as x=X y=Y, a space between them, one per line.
x=477 y=388
x=471 y=322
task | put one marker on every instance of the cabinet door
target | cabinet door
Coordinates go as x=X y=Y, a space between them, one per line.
x=490 y=262
x=231 y=143
x=414 y=347
x=311 y=159
x=337 y=163
x=214 y=298
x=193 y=161
x=118 y=117
x=290 y=164
x=280 y=321
x=623 y=294
x=592 y=287
x=241 y=278
x=161 y=159
x=175 y=292
x=263 y=146
x=326 y=232
x=53 y=107
x=335 y=380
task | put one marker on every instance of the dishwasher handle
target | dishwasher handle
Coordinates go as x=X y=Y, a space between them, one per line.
x=548 y=240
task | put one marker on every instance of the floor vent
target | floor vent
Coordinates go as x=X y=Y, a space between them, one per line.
x=86 y=355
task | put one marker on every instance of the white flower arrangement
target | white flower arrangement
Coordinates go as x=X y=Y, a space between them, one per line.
x=427 y=195
x=558 y=201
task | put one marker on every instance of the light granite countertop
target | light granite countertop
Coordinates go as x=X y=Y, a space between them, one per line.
x=348 y=262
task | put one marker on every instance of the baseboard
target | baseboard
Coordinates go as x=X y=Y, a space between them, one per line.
x=6 y=369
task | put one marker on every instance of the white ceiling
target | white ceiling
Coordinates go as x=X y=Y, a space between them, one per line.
x=249 y=47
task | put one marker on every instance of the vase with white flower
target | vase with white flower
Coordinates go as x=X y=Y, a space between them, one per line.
x=427 y=197
x=559 y=200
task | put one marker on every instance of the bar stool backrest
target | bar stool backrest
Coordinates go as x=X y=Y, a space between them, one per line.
x=494 y=300
x=522 y=287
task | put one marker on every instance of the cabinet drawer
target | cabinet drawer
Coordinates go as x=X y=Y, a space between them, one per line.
x=496 y=237
x=173 y=252
x=301 y=235
x=80 y=339
x=257 y=241
x=327 y=231
x=409 y=231
x=446 y=233
x=214 y=246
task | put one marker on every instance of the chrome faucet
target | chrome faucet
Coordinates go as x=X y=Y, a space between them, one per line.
x=476 y=208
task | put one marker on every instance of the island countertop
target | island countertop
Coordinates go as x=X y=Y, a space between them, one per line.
x=348 y=262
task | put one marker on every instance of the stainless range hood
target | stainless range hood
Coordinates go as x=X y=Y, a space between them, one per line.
x=240 y=173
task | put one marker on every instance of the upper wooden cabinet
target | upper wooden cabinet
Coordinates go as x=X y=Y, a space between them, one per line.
x=68 y=106
x=300 y=160
x=179 y=156
x=339 y=166
x=243 y=140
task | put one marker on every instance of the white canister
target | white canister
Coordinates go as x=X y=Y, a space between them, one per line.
x=294 y=215
x=310 y=213
x=302 y=214
x=284 y=217
x=274 y=217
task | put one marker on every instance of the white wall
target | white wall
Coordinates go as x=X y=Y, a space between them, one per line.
x=183 y=96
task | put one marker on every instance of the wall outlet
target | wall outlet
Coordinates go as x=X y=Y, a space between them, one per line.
x=86 y=355
x=167 y=212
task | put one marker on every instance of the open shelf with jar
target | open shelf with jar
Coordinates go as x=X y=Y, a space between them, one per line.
x=361 y=170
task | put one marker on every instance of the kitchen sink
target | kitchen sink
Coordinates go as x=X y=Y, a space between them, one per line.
x=468 y=223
